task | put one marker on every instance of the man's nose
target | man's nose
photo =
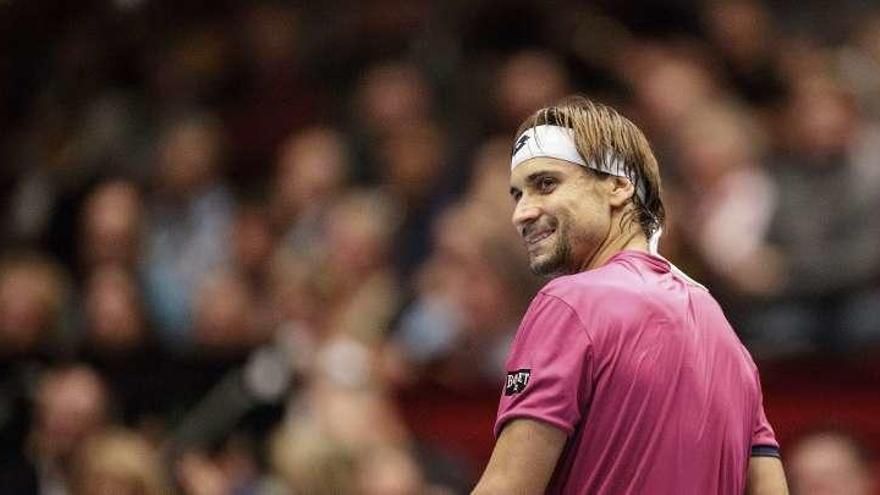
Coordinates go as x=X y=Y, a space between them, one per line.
x=525 y=213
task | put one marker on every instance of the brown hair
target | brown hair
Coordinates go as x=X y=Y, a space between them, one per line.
x=599 y=131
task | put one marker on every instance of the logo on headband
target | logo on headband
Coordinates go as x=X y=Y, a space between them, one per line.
x=520 y=143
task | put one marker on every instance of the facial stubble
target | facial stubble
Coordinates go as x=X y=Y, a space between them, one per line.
x=559 y=259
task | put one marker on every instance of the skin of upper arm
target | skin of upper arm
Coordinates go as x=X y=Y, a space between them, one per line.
x=524 y=458
x=766 y=477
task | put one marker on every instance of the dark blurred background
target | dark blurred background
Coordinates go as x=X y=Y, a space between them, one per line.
x=264 y=247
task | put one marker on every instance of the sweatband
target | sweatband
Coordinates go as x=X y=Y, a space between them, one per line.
x=553 y=141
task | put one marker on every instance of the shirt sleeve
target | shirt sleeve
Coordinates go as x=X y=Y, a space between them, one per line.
x=764 y=442
x=548 y=368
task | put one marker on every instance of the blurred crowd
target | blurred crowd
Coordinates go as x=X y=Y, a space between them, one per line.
x=232 y=232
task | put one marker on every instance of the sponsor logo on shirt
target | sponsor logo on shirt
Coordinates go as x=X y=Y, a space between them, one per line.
x=517 y=381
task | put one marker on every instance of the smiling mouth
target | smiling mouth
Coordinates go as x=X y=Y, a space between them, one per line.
x=536 y=237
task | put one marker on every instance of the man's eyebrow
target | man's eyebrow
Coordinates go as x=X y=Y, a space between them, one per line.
x=532 y=178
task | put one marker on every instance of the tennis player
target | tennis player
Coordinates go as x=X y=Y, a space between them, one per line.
x=624 y=377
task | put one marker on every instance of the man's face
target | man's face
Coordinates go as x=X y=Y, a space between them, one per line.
x=562 y=213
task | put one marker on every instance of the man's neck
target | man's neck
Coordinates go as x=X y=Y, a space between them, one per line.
x=630 y=239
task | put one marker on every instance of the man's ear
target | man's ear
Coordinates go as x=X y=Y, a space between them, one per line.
x=620 y=192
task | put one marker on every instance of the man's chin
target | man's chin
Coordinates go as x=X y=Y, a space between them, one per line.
x=546 y=267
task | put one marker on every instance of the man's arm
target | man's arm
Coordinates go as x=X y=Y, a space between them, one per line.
x=523 y=460
x=766 y=477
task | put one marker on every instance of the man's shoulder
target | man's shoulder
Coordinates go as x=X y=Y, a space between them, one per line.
x=602 y=281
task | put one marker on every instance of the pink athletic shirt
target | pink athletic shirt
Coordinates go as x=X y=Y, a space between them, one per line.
x=643 y=372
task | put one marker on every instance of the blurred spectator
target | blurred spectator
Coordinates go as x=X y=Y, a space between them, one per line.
x=276 y=96
x=71 y=405
x=190 y=222
x=391 y=471
x=297 y=295
x=312 y=170
x=742 y=31
x=112 y=226
x=363 y=294
x=471 y=291
x=81 y=126
x=33 y=294
x=253 y=244
x=113 y=314
x=831 y=462
x=824 y=227
x=668 y=83
x=307 y=461
x=414 y=167
x=392 y=97
x=232 y=470
x=122 y=346
x=253 y=240
x=526 y=81
x=731 y=198
x=347 y=440
x=118 y=462
x=224 y=321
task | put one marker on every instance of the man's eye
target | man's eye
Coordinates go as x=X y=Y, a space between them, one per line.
x=546 y=184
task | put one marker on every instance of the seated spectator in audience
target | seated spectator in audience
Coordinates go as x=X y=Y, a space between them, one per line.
x=274 y=93
x=731 y=197
x=71 y=404
x=469 y=299
x=114 y=320
x=233 y=467
x=392 y=101
x=831 y=462
x=311 y=172
x=823 y=237
x=224 y=318
x=525 y=81
x=119 y=342
x=343 y=436
x=306 y=460
x=392 y=471
x=334 y=251
x=668 y=83
x=741 y=32
x=363 y=294
x=297 y=298
x=118 y=462
x=254 y=242
x=111 y=227
x=392 y=97
x=33 y=295
x=190 y=218
x=415 y=172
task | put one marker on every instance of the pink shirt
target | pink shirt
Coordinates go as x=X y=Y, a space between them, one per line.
x=643 y=372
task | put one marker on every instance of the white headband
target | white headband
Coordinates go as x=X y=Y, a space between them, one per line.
x=553 y=141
